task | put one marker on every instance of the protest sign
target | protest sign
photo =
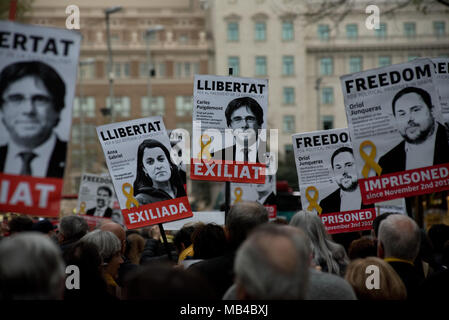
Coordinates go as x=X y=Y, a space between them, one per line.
x=38 y=67
x=179 y=140
x=442 y=84
x=217 y=217
x=146 y=180
x=229 y=129
x=396 y=127
x=328 y=180
x=97 y=200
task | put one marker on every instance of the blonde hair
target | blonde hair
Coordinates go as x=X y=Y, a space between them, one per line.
x=391 y=286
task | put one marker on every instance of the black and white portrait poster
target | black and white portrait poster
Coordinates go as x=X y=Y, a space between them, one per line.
x=328 y=180
x=147 y=182
x=38 y=69
x=397 y=129
x=229 y=129
x=180 y=146
x=97 y=199
x=442 y=84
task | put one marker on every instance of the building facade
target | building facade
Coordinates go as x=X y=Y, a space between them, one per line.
x=174 y=55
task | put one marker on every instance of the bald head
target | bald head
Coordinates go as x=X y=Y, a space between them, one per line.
x=399 y=237
x=116 y=229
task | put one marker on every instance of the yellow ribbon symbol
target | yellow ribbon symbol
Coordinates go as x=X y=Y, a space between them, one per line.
x=313 y=204
x=369 y=159
x=130 y=200
x=238 y=192
x=205 y=147
x=83 y=207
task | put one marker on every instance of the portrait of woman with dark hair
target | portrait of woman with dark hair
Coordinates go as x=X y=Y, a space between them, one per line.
x=157 y=177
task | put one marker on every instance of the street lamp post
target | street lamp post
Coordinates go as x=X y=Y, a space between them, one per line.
x=82 y=63
x=148 y=34
x=318 y=111
x=108 y=12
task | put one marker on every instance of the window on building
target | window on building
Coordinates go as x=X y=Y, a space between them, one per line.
x=439 y=28
x=288 y=124
x=384 y=61
x=323 y=32
x=287 y=31
x=90 y=133
x=122 y=106
x=260 y=32
x=288 y=65
x=382 y=31
x=261 y=66
x=87 y=71
x=327 y=95
x=234 y=63
x=144 y=72
x=288 y=95
x=122 y=69
x=410 y=29
x=157 y=107
x=328 y=122
x=288 y=150
x=352 y=31
x=413 y=56
x=355 y=64
x=186 y=69
x=184 y=105
x=76 y=157
x=326 y=66
x=233 y=31
x=88 y=107
x=76 y=134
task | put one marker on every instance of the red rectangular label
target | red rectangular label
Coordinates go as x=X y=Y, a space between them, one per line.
x=405 y=183
x=30 y=195
x=158 y=212
x=272 y=211
x=349 y=221
x=233 y=171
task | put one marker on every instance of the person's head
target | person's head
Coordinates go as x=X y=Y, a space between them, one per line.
x=376 y=223
x=135 y=245
x=399 y=237
x=267 y=187
x=272 y=264
x=116 y=229
x=325 y=252
x=104 y=196
x=44 y=226
x=343 y=165
x=31 y=99
x=242 y=114
x=209 y=241
x=413 y=111
x=154 y=165
x=20 y=223
x=163 y=282
x=183 y=238
x=390 y=285
x=72 y=228
x=31 y=268
x=109 y=247
x=362 y=248
x=243 y=217
x=438 y=235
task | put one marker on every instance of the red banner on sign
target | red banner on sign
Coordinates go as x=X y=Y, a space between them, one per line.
x=272 y=211
x=349 y=221
x=30 y=195
x=233 y=171
x=158 y=212
x=405 y=184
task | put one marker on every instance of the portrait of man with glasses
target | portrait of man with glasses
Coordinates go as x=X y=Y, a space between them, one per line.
x=32 y=96
x=244 y=116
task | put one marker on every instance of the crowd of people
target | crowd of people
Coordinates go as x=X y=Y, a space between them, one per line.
x=250 y=258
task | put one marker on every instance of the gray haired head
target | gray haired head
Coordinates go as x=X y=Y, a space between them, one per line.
x=31 y=268
x=107 y=243
x=400 y=237
x=73 y=227
x=325 y=251
x=273 y=263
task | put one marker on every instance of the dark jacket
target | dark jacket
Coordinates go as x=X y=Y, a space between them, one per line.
x=409 y=276
x=57 y=159
x=332 y=203
x=395 y=159
x=107 y=212
x=146 y=195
